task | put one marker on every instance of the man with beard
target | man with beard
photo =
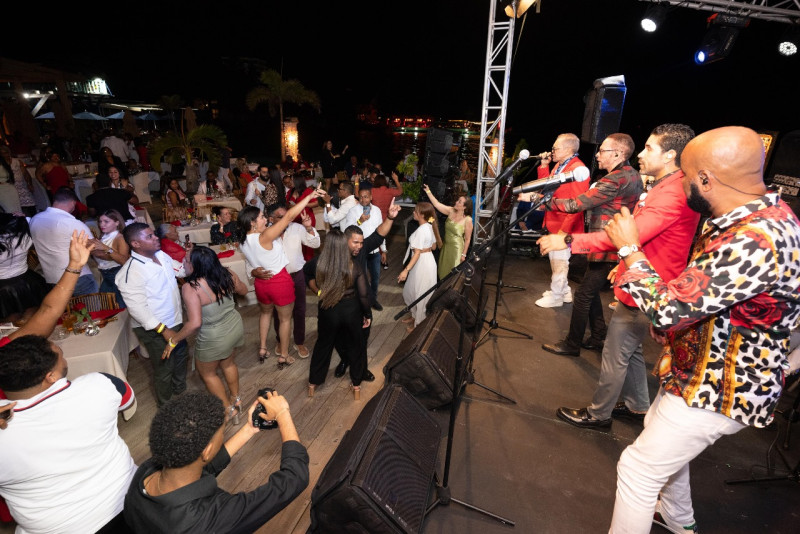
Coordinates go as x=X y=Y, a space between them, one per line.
x=359 y=247
x=725 y=321
x=666 y=228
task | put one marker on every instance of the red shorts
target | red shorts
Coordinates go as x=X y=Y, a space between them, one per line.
x=278 y=290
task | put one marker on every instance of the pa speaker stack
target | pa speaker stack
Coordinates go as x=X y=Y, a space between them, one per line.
x=424 y=363
x=603 y=111
x=379 y=479
x=450 y=296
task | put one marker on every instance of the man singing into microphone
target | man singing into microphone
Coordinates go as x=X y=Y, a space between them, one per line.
x=666 y=228
x=564 y=154
x=620 y=187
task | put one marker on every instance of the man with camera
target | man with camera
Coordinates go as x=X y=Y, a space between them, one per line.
x=176 y=490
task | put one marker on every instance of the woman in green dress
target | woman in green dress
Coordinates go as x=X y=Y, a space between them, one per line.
x=457 y=231
x=208 y=296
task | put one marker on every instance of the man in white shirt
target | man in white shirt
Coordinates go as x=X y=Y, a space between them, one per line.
x=51 y=231
x=64 y=467
x=255 y=189
x=118 y=146
x=368 y=217
x=336 y=217
x=293 y=238
x=148 y=284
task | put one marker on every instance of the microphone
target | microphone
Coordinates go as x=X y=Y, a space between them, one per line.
x=580 y=174
x=523 y=155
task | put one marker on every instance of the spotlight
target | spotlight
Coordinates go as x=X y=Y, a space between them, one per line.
x=723 y=29
x=653 y=18
x=787 y=48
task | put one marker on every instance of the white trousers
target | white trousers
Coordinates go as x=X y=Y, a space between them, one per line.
x=559 y=265
x=658 y=461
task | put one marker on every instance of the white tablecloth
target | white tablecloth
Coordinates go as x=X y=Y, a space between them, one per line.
x=107 y=352
x=80 y=167
x=228 y=202
x=83 y=186
x=237 y=264
x=199 y=235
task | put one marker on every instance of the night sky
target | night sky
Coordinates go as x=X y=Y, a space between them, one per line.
x=427 y=57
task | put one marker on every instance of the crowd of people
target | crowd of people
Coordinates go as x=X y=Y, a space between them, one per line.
x=722 y=301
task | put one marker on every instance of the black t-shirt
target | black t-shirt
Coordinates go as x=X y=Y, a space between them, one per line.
x=110 y=199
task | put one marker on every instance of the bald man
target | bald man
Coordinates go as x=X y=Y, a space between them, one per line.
x=724 y=323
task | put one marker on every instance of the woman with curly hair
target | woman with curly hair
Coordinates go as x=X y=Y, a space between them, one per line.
x=344 y=309
x=419 y=273
x=21 y=289
x=208 y=297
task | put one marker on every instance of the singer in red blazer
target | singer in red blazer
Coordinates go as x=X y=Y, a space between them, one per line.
x=555 y=221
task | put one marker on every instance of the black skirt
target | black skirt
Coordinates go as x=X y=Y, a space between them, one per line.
x=21 y=292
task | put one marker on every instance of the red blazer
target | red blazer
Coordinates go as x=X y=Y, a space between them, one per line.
x=173 y=249
x=555 y=221
x=309 y=209
x=666 y=230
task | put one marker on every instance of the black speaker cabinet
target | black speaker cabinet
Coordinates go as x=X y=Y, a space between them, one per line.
x=449 y=297
x=603 y=111
x=379 y=479
x=424 y=362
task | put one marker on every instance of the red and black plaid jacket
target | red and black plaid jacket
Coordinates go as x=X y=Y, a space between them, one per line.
x=620 y=187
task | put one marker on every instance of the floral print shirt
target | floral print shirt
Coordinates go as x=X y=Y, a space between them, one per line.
x=729 y=315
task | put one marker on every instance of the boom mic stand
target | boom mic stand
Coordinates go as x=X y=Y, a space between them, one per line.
x=462 y=376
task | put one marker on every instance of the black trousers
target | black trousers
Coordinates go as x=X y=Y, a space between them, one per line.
x=339 y=327
x=587 y=307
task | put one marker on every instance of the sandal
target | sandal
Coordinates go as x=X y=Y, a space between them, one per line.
x=263 y=354
x=302 y=353
x=233 y=411
x=356 y=392
x=311 y=389
x=409 y=319
x=284 y=361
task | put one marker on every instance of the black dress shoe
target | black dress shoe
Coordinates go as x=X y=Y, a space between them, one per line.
x=368 y=376
x=377 y=306
x=562 y=348
x=582 y=418
x=592 y=344
x=620 y=410
x=340 y=369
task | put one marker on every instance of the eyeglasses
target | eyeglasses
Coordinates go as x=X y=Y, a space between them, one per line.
x=607 y=150
x=554 y=148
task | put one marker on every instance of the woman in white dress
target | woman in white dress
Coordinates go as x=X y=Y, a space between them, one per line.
x=419 y=273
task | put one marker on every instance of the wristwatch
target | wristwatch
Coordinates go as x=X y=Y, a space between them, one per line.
x=627 y=250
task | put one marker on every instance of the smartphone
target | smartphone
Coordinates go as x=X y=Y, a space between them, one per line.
x=367 y=209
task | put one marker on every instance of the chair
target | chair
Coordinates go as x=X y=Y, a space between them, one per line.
x=95 y=302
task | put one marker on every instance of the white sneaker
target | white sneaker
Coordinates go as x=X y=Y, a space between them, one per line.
x=548 y=301
x=565 y=298
x=660 y=520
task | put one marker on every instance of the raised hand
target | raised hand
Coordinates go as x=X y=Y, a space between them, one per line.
x=394 y=209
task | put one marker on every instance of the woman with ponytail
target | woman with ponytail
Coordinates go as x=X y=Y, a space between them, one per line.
x=419 y=273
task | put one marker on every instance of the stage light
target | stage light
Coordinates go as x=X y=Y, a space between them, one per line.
x=787 y=48
x=522 y=6
x=723 y=29
x=653 y=18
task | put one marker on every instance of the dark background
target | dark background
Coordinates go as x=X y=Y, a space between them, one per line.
x=415 y=57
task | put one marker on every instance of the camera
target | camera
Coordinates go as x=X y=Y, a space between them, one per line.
x=258 y=422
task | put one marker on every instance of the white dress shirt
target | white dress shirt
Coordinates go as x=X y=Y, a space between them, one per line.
x=254 y=190
x=337 y=216
x=293 y=238
x=118 y=147
x=51 y=231
x=368 y=226
x=151 y=291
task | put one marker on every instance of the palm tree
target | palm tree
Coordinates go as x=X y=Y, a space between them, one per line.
x=276 y=92
x=204 y=142
x=170 y=103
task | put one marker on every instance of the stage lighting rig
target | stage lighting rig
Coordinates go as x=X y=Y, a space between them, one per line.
x=654 y=17
x=723 y=29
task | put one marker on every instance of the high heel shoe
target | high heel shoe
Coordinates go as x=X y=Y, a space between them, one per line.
x=311 y=389
x=284 y=361
x=263 y=354
x=356 y=392
x=234 y=410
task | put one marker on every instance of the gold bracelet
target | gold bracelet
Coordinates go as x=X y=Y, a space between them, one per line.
x=160 y=328
x=279 y=414
x=73 y=271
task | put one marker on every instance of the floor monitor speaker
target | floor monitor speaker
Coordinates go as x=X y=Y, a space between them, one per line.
x=379 y=479
x=449 y=296
x=424 y=362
